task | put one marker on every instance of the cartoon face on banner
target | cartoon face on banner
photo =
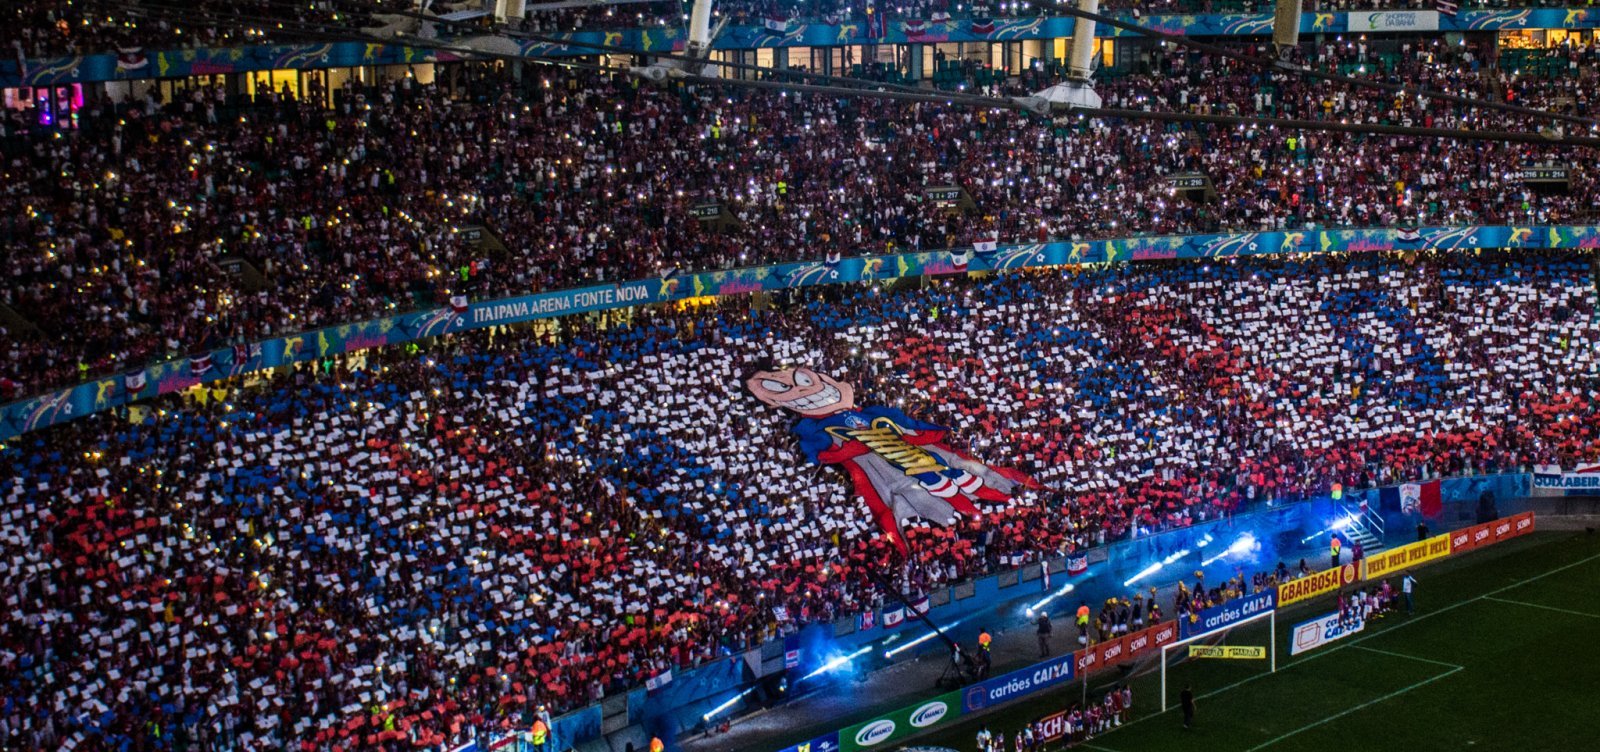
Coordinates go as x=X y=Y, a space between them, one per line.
x=802 y=390
x=899 y=466
x=1410 y=498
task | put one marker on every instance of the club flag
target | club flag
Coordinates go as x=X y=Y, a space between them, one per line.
x=199 y=364
x=893 y=617
x=658 y=681
x=1407 y=235
x=916 y=30
x=458 y=303
x=877 y=23
x=244 y=353
x=133 y=382
x=132 y=59
x=985 y=246
x=865 y=621
x=1421 y=498
x=776 y=24
x=983 y=26
x=791 y=651
x=918 y=606
x=939 y=16
x=1431 y=503
x=1447 y=7
x=1077 y=564
x=1389 y=499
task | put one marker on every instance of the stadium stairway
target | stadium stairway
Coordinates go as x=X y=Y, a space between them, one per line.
x=1365 y=528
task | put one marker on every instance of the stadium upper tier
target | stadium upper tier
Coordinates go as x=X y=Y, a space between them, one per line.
x=119 y=233
x=64 y=28
x=442 y=540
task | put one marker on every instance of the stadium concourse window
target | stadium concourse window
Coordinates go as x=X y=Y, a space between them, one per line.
x=46 y=107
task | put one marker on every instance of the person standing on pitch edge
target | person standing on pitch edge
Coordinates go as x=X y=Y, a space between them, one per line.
x=1044 y=635
x=1186 y=699
x=1406 y=584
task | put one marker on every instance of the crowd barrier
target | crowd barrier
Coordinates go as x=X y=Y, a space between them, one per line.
x=946 y=708
x=59 y=406
x=138 y=65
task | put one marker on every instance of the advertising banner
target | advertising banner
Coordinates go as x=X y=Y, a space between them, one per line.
x=1503 y=530
x=1393 y=560
x=1164 y=633
x=1461 y=540
x=1111 y=651
x=1394 y=20
x=1018 y=683
x=826 y=743
x=1317 y=583
x=1052 y=727
x=879 y=732
x=1087 y=660
x=1235 y=652
x=1584 y=478
x=1489 y=533
x=1138 y=642
x=1522 y=524
x=1232 y=612
x=1482 y=535
x=1323 y=630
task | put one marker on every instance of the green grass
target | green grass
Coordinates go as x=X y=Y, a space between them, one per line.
x=1503 y=653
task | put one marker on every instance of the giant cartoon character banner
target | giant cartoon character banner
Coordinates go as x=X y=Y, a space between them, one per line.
x=899 y=465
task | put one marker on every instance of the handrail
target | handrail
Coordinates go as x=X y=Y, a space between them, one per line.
x=107 y=392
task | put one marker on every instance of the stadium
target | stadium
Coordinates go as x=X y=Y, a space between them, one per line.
x=812 y=376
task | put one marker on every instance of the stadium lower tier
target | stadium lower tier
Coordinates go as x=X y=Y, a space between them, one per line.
x=401 y=548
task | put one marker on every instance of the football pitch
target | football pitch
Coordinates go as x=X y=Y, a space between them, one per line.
x=1502 y=653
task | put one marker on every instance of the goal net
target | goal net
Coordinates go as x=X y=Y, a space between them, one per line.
x=1236 y=649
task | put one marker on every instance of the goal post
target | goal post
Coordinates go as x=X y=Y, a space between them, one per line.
x=1272 y=645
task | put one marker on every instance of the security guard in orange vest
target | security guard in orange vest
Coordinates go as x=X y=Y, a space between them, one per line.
x=1335 y=551
x=540 y=735
x=656 y=745
x=985 y=660
x=1083 y=623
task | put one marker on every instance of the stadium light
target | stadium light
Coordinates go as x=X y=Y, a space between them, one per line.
x=1143 y=573
x=1244 y=543
x=1045 y=601
x=887 y=654
x=843 y=660
x=714 y=712
x=1339 y=524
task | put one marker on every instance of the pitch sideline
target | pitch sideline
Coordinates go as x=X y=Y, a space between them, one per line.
x=1353 y=643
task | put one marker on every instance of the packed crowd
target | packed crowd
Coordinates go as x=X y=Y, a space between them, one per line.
x=436 y=543
x=51 y=28
x=118 y=229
